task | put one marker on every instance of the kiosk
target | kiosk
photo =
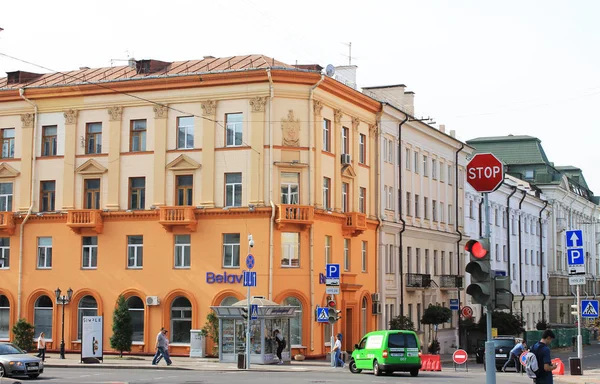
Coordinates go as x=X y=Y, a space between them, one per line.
x=263 y=347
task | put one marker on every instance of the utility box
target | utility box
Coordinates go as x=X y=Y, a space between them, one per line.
x=575 y=366
x=241 y=361
x=197 y=343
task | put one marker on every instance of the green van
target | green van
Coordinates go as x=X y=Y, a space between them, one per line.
x=385 y=352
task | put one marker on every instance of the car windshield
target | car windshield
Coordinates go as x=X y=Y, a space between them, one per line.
x=504 y=343
x=9 y=349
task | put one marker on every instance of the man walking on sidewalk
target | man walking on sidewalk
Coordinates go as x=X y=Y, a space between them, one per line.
x=161 y=348
x=515 y=353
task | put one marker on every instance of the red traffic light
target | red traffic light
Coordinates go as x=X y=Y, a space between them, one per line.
x=477 y=248
x=331 y=303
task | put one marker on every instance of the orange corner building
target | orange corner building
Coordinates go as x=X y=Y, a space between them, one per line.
x=145 y=181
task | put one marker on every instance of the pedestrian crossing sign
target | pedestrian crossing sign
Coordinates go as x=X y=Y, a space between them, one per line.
x=322 y=315
x=254 y=312
x=589 y=308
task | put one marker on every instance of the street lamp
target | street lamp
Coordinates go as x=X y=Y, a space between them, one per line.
x=63 y=299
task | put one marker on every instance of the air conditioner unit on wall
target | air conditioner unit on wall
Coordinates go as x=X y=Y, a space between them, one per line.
x=152 y=300
x=376 y=297
x=377 y=308
x=346 y=158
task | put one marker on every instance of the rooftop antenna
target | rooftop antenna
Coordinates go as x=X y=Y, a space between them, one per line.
x=349 y=53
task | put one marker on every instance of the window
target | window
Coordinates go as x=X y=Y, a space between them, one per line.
x=443 y=262
x=450 y=262
x=514 y=271
x=390 y=256
x=90 y=252
x=93 y=138
x=87 y=307
x=410 y=312
x=183 y=250
x=416 y=205
x=47 y=192
x=418 y=317
x=504 y=214
x=496 y=218
x=345 y=140
x=418 y=259
x=345 y=188
x=450 y=173
x=529 y=174
x=442 y=172
x=434 y=210
x=49 y=140
x=425 y=167
x=42 y=316
x=296 y=321
x=327 y=249
x=363 y=316
x=409 y=260
x=407 y=160
x=289 y=188
x=181 y=320
x=185 y=132
x=137 y=192
x=290 y=249
x=497 y=251
x=389 y=201
x=229 y=301
x=416 y=162
x=326 y=135
x=425 y=208
x=137 y=136
x=442 y=210
x=326 y=193
x=450 y=214
x=362 y=193
x=135 y=251
x=390 y=153
x=364 y=256
x=4 y=252
x=231 y=250
x=4 y=317
x=44 y=259
x=6 y=197
x=233 y=189
x=526 y=257
x=504 y=256
x=362 y=149
x=434 y=169
x=136 y=312
x=234 y=127
x=8 y=143
x=91 y=194
x=185 y=189
x=435 y=262
x=427 y=265
x=346 y=254
x=408 y=204
x=471 y=210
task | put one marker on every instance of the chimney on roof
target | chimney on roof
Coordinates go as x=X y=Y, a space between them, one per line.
x=309 y=67
x=82 y=68
x=208 y=57
x=443 y=128
x=453 y=133
x=150 y=66
x=346 y=74
x=409 y=102
x=392 y=94
x=20 y=77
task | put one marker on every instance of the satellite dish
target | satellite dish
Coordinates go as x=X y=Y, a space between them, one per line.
x=330 y=70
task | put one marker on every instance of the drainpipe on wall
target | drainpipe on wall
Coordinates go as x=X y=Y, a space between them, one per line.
x=542 y=260
x=22 y=229
x=460 y=235
x=271 y=95
x=481 y=216
x=520 y=258
x=400 y=242
x=508 y=231
x=310 y=203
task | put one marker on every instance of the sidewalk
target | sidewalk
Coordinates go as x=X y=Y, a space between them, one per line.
x=588 y=377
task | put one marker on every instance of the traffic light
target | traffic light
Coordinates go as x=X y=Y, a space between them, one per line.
x=480 y=289
x=503 y=297
x=245 y=313
x=332 y=312
x=575 y=310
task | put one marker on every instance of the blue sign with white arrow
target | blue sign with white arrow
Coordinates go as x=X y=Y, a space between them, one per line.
x=575 y=238
x=254 y=312
x=322 y=315
x=249 y=279
x=589 y=308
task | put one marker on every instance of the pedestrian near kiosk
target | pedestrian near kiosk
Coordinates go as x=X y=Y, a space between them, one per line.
x=41 y=344
x=541 y=350
x=280 y=344
x=161 y=348
x=337 y=348
x=515 y=354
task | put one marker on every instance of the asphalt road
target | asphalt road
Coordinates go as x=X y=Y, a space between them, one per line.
x=476 y=375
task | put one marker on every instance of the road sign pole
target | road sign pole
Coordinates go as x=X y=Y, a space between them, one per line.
x=579 y=338
x=490 y=349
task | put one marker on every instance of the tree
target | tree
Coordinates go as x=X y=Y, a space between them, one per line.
x=24 y=334
x=541 y=325
x=433 y=316
x=402 y=322
x=506 y=323
x=122 y=328
x=211 y=329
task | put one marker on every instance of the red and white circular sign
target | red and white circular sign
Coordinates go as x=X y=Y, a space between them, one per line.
x=523 y=358
x=467 y=311
x=460 y=356
x=485 y=172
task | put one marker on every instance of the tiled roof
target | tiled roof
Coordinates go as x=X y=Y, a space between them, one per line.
x=126 y=72
x=512 y=149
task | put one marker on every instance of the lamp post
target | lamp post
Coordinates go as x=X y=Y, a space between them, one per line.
x=63 y=299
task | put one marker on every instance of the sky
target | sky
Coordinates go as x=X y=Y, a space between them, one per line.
x=480 y=68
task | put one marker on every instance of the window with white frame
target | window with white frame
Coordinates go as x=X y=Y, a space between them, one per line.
x=504 y=255
x=289 y=187
x=364 y=256
x=390 y=153
x=345 y=140
x=409 y=260
x=450 y=173
x=418 y=260
x=443 y=262
x=434 y=169
x=526 y=257
x=416 y=161
x=390 y=198
x=88 y=306
x=425 y=166
x=4 y=252
x=183 y=250
x=233 y=189
x=185 y=132
x=407 y=159
x=231 y=250
x=326 y=193
x=327 y=135
x=362 y=149
x=427 y=265
x=6 y=197
x=450 y=214
x=234 y=127
x=42 y=316
x=497 y=252
x=442 y=211
x=346 y=254
x=435 y=262
x=496 y=218
x=417 y=205
x=442 y=167
x=44 y=256
x=327 y=249
x=471 y=209
x=345 y=202
x=425 y=207
x=135 y=251
x=408 y=204
x=362 y=193
x=290 y=249
x=434 y=210
x=90 y=252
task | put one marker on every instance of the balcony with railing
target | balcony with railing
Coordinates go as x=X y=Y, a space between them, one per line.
x=78 y=219
x=294 y=214
x=418 y=281
x=178 y=216
x=355 y=224
x=7 y=223
x=451 y=281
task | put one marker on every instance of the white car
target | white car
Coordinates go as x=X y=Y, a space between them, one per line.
x=15 y=362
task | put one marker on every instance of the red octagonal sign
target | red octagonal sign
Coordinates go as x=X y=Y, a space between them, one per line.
x=485 y=172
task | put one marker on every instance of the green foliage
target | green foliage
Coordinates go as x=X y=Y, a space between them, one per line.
x=24 y=333
x=122 y=327
x=468 y=324
x=507 y=324
x=402 y=322
x=436 y=314
x=211 y=329
x=541 y=325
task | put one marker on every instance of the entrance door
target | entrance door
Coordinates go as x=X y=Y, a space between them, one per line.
x=349 y=334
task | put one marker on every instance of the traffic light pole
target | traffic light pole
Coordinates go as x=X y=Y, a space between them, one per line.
x=490 y=349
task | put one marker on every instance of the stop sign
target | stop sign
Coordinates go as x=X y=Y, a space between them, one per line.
x=485 y=172
x=460 y=356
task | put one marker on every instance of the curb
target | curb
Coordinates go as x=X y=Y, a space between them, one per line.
x=116 y=366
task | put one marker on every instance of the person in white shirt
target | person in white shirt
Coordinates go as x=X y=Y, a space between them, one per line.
x=41 y=344
x=337 y=348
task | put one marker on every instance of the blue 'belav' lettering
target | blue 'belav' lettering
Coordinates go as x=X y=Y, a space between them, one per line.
x=224 y=278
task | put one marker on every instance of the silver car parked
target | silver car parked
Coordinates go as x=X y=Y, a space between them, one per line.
x=16 y=362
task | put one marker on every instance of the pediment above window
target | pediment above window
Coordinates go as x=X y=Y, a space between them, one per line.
x=348 y=171
x=91 y=167
x=183 y=163
x=6 y=171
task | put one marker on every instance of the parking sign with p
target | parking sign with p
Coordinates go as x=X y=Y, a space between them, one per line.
x=332 y=275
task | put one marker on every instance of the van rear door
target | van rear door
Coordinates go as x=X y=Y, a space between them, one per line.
x=402 y=348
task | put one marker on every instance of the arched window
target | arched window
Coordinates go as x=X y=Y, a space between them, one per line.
x=4 y=317
x=136 y=311
x=363 y=317
x=42 y=316
x=296 y=322
x=229 y=301
x=181 y=320
x=87 y=307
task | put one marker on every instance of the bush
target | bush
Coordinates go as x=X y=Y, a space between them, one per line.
x=402 y=322
x=24 y=334
x=506 y=323
x=541 y=325
x=211 y=329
